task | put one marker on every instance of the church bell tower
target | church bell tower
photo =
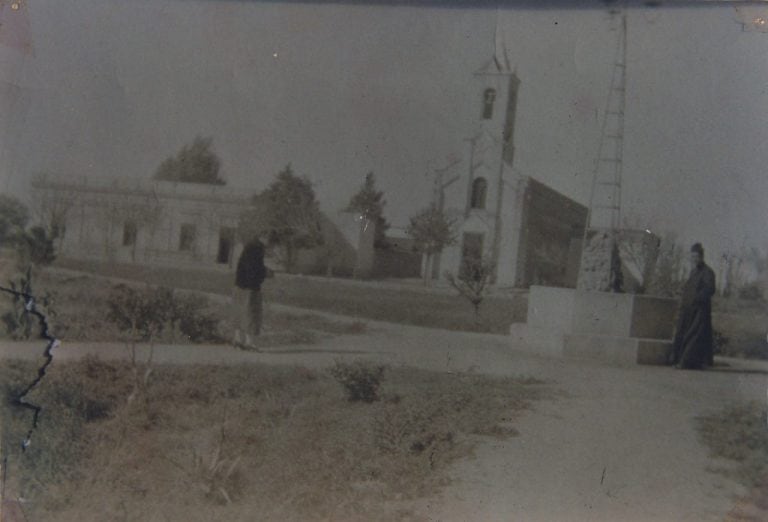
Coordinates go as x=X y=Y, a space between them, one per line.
x=492 y=151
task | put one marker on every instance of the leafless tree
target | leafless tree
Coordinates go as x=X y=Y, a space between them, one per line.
x=669 y=272
x=639 y=248
x=432 y=231
x=52 y=209
x=472 y=282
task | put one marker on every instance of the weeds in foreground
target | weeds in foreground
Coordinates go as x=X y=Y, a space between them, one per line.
x=78 y=307
x=740 y=434
x=289 y=448
x=17 y=320
x=360 y=380
x=217 y=476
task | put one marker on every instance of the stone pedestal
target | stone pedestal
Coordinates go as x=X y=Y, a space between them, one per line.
x=627 y=254
x=616 y=328
x=598 y=259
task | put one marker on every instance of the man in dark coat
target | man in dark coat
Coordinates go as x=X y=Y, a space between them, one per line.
x=249 y=276
x=693 y=345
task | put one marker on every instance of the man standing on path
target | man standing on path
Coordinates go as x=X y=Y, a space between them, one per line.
x=250 y=274
x=693 y=345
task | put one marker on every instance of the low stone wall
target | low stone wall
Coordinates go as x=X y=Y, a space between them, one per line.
x=615 y=328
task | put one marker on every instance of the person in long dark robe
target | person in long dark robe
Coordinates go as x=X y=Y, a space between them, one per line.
x=249 y=277
x=693 y=344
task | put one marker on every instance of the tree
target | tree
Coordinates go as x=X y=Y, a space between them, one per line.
x=37 y=247
x=472 y=282
x=141 y=315
x=14 y=217
x=432 y=231
x=369 y=202
x=33 y=246
x=667 y=280
x=287 y=215
x=755 y=287
x=639 y=251
x=195 y=163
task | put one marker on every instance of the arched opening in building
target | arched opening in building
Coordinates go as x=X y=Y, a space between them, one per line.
x=479 y=189
x=489 y=96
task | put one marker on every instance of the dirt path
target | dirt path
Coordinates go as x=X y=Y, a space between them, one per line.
x=617 y=444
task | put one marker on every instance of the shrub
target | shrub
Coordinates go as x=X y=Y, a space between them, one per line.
x=754 y=349
x=750 y=346
x=738 y=433
x=472 y=282
x=150 y=312
x=217 y=477
x=751 y=292
x=18 y=321
x=74 y=395
x=360 y=380
x=141 y=314
x=194 y=322
x=36 y=247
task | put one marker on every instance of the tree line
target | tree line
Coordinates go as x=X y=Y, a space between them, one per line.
x=287 y=213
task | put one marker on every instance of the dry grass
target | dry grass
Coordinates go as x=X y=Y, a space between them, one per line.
x=740 y=434
x=409 y=306
x=247 y=443
x=745 y=324
x=80 y=314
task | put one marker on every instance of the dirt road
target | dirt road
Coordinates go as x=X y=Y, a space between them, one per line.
x=617 y=444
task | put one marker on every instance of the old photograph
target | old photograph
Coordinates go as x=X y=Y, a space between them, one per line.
x=386 y=260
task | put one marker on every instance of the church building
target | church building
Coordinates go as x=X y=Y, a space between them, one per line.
x=527 y=231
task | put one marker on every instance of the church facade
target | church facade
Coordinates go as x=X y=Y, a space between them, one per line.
x=528 y=232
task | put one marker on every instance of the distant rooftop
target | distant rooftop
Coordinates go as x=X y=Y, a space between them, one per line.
x=143 y=186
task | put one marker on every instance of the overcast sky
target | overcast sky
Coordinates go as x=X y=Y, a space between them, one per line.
x=115 y=86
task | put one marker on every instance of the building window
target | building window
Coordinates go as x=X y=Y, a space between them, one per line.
x=129 y=233
x=479 y=188
x=187 y=237
x=489 y=96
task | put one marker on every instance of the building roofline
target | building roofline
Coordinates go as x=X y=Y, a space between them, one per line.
x=144 y=187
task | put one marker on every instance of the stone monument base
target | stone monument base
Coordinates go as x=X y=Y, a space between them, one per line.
x=616 y=328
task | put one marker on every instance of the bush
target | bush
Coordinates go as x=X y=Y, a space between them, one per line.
x=747 y=347
x=738 y=433
x=33 y=245
x=754 y=349
x=18 y=321
x=72 y=396
x=472 y=282
x=36 y=247
x=751 y=292
x=140 y=313
x=194 y=322
x=147 y=313
x=360 y=380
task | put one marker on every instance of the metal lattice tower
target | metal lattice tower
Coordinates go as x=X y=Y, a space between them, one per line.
x=605 y=198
